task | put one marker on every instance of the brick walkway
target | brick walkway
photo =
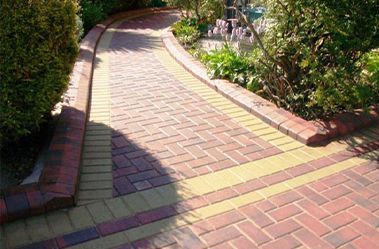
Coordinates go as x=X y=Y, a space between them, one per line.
x=169 y=163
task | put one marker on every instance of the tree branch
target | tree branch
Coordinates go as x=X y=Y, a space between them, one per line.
x=243 y=19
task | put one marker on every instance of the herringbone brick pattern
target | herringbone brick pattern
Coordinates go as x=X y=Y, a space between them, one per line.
x=191 y=169
x=340 y=210
x=168 y=121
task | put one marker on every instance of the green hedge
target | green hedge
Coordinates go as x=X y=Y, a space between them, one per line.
x=38 y=47
x=95 y=11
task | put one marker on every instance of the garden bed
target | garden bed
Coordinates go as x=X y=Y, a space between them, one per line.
x=21 y=160
x=308 y=132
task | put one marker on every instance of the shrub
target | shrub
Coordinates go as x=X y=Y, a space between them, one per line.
x=95 y=11
x=38 y=47
x=186 y=31
x=92 y=12
x=157 y=3
x=79 y=28
x=371 y=68
x=227 y=63
x=211 y=10
x=315 y=55
x=208 y=10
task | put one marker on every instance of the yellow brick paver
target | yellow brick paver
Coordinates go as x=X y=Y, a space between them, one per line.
x=236 y=202
x=96 y=204
x=16 y=233
x=59 y=222
x=100 y=212
x=225 y=106
x=80 y=217
x=118 y=208
x=189 y=188
x=39 y=228
x=96 y=183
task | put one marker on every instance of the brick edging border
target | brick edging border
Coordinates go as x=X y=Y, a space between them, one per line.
x=307 y=132
x=59 y=180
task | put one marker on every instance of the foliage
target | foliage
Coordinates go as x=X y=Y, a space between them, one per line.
x=211 y=10
x=371 y=68
x=94 y=11
x=314 y=58
x=135 y=4
x=79 y=28
x=313 y=55
x=187 y=31
x=38 y=47
x=227 y=63
x=208 y=10
x=157 y=3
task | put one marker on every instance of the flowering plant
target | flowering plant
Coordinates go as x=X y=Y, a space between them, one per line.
x=238 y=33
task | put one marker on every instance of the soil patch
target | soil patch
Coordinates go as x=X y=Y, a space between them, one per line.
x=18 y=158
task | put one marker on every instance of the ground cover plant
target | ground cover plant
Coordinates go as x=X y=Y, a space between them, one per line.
x=187 y=31
x=228 y=63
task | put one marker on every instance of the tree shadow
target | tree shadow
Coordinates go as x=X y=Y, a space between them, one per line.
x=152 y=192
x=126 y=38
x=363 y=144
x=134 y=35
x=145 y=190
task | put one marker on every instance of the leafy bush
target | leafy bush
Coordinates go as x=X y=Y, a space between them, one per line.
x=38 y=47
x=314 y=55
x=79 y=27
x=227 y=63
x=208 y=10
x=157 y=3
x=186 y=31
x=93 y=12
x=371 y=68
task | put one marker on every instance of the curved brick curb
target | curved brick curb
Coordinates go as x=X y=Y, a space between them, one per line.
x=59 y=179
x=307 y=132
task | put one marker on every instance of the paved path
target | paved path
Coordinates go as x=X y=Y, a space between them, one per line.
x=169 y=163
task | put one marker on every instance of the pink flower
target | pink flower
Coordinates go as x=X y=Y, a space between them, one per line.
x=234 y=23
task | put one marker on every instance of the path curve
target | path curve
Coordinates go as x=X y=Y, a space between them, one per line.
x=170 y=163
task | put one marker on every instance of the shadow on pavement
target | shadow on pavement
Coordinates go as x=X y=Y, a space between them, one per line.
x=364 y=143
x=135 y=35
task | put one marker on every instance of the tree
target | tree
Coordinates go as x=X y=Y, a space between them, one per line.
x=208 y=10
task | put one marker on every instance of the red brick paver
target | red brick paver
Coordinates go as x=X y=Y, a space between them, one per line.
x=175 y=129
x=188 y=175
